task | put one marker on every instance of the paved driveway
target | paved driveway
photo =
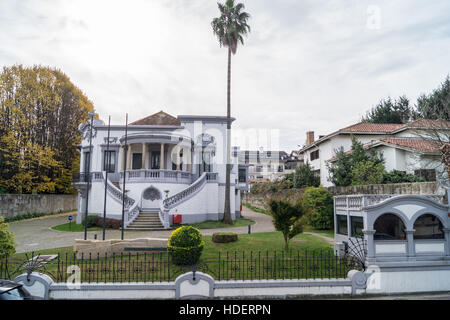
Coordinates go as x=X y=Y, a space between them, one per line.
x=36 y=234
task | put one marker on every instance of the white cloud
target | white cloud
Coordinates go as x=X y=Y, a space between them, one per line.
x=309 y=65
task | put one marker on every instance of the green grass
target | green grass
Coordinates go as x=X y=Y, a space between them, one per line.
x=259 y=255
x=73 y=227
x=256 y=209
x=328 y=233
x=242 y=222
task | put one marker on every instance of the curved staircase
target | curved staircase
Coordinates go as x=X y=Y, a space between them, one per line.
x=147 y=220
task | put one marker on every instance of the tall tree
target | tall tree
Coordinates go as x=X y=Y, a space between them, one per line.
x=230 y=28
x=390 y=111
x=437 y=104
x=40 y=110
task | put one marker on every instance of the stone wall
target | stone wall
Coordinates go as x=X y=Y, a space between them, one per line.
x=260 y=200
x=13 y=205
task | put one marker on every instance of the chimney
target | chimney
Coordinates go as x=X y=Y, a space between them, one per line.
x=309 y=138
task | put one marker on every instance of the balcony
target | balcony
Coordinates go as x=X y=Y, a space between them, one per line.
x=155 y=175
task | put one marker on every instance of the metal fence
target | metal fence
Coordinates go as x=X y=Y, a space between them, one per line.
x=158 y=267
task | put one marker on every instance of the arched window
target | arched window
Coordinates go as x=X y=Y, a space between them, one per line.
x=428 y=226
x=389 y=227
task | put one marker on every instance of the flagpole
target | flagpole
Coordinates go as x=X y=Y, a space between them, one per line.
x=124 y=176
x=106 y=163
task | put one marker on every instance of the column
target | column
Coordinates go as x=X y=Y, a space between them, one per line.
x=447 y=241
x=411 y=250
x=188 y=160
x=370 y=244
x=129 y=157
x=161 y=161
x=144 y=155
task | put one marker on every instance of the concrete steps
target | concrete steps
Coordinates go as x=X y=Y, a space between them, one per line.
x=146 y=221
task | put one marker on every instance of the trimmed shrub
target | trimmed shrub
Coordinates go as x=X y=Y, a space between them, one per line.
x=224 y=237
x=318 y=203
x=185 y=245
x=91 y=220
x=110 y=223
x=7 y=244
x=396 y=176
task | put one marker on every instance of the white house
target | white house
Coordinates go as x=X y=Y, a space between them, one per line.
x=405 y=147
x=267 y=165
x=170 y=166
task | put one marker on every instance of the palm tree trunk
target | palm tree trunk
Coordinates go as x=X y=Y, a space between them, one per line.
x=227 y=211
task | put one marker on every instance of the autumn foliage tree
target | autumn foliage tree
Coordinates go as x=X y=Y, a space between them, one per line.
x=40 y=110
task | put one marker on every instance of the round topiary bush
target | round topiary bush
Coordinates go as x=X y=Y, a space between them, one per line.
x=224 y=237
x=185 y=245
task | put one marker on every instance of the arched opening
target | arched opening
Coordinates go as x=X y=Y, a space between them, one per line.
x=428 y=226
x=389 y=227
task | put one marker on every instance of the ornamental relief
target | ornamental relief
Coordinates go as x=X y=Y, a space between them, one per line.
x=152 y=194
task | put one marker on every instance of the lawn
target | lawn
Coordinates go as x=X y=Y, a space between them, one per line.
x=253 y=256
x=73 y=227
x=328 y=233
x=242 y=222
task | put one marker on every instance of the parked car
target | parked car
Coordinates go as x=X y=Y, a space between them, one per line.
x=10 y=290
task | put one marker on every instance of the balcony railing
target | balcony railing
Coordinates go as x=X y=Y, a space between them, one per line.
x=158 y=176
x=356 y=202
x=85 y=177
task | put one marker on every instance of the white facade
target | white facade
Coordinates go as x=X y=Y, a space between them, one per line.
x=397 y=157
x=176 y=166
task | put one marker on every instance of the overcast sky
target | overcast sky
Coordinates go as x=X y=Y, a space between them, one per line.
x=306 y=65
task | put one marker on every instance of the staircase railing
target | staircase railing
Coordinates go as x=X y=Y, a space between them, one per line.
x=131 y=206
x=179 y=198
x=132 y=214
x=117 y=194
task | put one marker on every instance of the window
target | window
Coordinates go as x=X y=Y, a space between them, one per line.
x=259 y=168
x=137 y=161
x=155 y=160
x=314 y=155
x=428 y=226
x=342 y=224
x=389 y=227
x=357 y=226
x=257 y=157
x=280 y=168
x=269 y=154
x=109 y=164
x=242 y=177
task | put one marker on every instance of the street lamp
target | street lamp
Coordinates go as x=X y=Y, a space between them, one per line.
x=91 y=115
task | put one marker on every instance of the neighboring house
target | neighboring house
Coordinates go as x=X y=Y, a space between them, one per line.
x=264 y=165
x=174 y=166
x=291 y=162
x=402 y=145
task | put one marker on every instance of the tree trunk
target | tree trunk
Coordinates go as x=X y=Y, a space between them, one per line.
x=286 y=243
x=227 y=210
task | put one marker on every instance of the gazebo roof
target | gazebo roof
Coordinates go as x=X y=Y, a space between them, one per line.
x=158 y=119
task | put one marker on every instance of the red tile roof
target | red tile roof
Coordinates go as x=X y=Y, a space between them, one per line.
x=158 y=119
x=372 y=127
x=416 y=144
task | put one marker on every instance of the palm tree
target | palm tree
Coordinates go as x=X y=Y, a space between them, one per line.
x=230 y=28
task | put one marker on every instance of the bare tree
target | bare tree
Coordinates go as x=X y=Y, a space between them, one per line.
x=436 y=135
